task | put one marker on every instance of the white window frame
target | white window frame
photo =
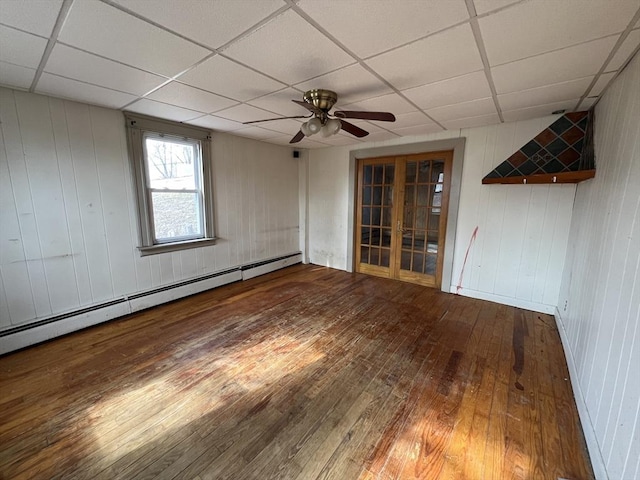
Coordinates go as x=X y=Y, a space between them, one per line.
x=141 y=127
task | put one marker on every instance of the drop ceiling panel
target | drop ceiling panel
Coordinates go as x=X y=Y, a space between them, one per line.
x=244 y=113
x=280 y=103
x=538 y=111
x=212 y=23
x=568 y=64
x=471 y=122
x=162 y=110
x=418 y=129
x=338 y=140
x=82 y=92
x=69 y=62
x=380 y=136
x=444 y=55
x=601 y=83
x=474 y=108
x=351 y=83
x=623 y=53
x=34 y=16
x=20 y=48
x=368 y=28
x=217 y=123
x=587 y=103
x=287 y=126
x=393 y=103
x=15 y=75
x=224 y=77
x=557 y=92
x=107 y=31
x=289 y=49
x=185 y=96
x=485 y=6
x=455 y=90
x=537 y=26
x=409 y=120
x=257 y=133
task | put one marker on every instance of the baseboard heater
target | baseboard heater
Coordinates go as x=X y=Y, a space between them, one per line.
x=21 y=336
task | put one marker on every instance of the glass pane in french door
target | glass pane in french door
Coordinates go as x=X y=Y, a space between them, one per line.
x=421 y=216
x=377 y=205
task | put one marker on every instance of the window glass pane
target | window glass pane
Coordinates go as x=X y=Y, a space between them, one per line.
x=171 y=164
x=375 y=236
x=411 y=172
x=437 y=172
x=377 y=196
x=366 y=196
x=364 y=254
x=377 y=174
x=176 y=215
x=386 y=237
x=375 y=256
x=423 y=171
x=384 y=257
x=368 y=175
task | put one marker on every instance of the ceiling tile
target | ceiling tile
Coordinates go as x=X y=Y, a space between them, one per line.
x=308 y=143
x=474 y=108
x=257 y=133
x=418 y=129
x=393 y=103
x=35 y=16
x=280 y=102
x=381 y=136
x=454 y=90
x=194 y=18
x=338 y=140
x=557 y=92
x=99 y=28
x=287 y=126
x=244 y=113
x=538 y=26
x=185 y=96
x=351 y=83
x=217 y=123
x=82 y=92
x=484 y=6
x=20 y=48
x=471 y=122
x=601 y=83
x=567 y=64
x=16 y=76
x=624 y=52
x=71 y=63
x=443 y=55
x=409 y=120
x=289 y=49
x=224 y=77
x=281 y=140
x=538 y=111
x=587 y=103
x=162 y=110
x=358 y=24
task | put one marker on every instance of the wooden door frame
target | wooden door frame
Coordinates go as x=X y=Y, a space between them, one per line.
x=458 y=146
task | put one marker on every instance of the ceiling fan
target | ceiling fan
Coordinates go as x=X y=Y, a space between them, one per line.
x=319 y=102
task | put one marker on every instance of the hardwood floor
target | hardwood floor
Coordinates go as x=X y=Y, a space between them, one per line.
x=301 y=374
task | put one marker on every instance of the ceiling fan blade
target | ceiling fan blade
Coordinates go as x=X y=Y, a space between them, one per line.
x=298 y=136
x=353 y=130
x=379 y=116
x=277 y=118
x=310 y=107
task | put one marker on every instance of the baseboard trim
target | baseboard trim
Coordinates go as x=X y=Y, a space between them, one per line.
x=41 y=330
x=512 y=302
x=595 y=453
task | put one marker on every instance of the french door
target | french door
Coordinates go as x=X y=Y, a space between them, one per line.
x=401 y=216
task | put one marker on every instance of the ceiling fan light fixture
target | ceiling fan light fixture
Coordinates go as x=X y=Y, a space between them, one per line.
x=332 y=127
x=305 y=130
x=313 y=126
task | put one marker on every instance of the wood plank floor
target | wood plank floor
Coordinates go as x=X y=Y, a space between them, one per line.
x=301 y=374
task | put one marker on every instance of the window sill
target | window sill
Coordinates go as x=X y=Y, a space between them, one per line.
x=175 y=246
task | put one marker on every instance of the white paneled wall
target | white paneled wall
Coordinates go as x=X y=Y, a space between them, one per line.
x=599 y=308
x=68 y=227
x=518 y=254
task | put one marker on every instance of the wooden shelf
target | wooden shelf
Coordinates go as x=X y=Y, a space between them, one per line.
x=564 y=177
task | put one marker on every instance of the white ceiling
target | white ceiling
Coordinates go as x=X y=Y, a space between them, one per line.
x=436 y=64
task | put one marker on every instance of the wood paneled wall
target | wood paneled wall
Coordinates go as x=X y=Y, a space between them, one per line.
x=518 y=253
x=599 y=308
x=68 y=226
